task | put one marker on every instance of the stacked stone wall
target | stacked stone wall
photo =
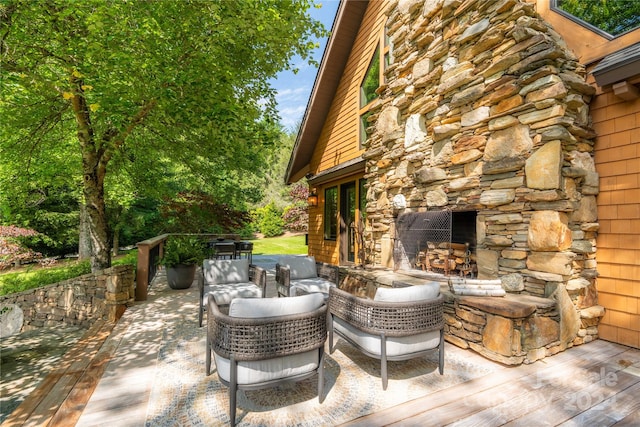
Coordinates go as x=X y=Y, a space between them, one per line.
x=485 y=109
x=79 y=301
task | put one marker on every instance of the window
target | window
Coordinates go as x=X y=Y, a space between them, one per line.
x=609 y=18
x=371 y=82
x=331 y=213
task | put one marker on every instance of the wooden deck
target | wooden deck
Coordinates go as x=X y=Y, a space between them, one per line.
x=593 y=384
x=596 y=384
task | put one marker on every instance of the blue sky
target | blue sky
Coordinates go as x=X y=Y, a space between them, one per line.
x=294 y=89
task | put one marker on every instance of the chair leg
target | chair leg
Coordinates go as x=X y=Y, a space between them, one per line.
x=200 y=314
x=208 y=356
x=330 y=329
x=321 y=376
x=233 y=391
x=383 y=361
x=441 y=353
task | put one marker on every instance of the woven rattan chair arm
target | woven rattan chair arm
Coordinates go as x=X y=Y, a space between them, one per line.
x=283 y=276
x=201 y=282
x=327 y=271
x=390 y=318
x=258 y=276
x=251 y=339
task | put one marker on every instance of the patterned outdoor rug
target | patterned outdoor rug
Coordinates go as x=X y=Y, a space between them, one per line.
x=183 y=395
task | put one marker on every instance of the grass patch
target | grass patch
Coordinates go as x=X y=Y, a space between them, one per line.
x=283 y=245
x=34 y=276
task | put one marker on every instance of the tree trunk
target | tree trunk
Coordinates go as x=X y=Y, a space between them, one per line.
x=98 y=227
x=115 y=247
x=94 y=169
x=84 y=241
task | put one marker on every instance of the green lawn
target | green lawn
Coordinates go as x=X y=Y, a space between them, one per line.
x=33 y=277
x=284 y=245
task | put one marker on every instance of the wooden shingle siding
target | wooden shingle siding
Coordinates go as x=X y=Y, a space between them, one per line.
x=339 y=142
x=339 y=138
x=617 y=124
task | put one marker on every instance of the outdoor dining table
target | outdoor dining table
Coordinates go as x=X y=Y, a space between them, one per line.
x=223 y=248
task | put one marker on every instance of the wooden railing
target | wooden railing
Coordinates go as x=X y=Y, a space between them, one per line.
x=150 y=252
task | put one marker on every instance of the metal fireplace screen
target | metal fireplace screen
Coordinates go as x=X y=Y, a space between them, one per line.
x=423 y=241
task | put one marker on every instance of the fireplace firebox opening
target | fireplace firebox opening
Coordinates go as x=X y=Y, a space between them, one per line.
x=441 y=242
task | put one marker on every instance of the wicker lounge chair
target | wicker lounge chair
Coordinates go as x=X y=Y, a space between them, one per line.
x=265 y=342
x=398 y=324
x=229 y=279
x=299 y=275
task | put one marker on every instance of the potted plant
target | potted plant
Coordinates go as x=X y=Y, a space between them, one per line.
x=182 y=254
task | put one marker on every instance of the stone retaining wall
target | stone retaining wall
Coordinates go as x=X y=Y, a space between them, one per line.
x=78 y=301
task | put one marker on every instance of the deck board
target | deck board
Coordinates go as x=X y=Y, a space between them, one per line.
x=529 y=394
x=39 y=408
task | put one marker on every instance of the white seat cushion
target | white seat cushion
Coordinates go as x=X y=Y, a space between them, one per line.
x=301 y=267
x=426 y=291
x=396 y=346
x=311 y=285
x=267 y=370
x=225 y=271
x=280 y=367
x=225 y=293
x=268 y=307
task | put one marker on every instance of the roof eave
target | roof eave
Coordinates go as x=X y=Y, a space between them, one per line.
x=344 y=30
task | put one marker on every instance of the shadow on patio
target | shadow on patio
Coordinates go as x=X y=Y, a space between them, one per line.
x=156 y=377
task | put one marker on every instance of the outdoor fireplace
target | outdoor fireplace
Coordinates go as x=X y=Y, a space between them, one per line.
x=479 y=163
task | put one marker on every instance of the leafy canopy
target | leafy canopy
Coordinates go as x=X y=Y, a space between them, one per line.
x=150 y=97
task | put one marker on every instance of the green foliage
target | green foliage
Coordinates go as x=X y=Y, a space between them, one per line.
x=274 y=187
x=130 y=258
x=296 y=215
x=371 y=80
x=183 y=250
x=269 y=220
x=612 y=16
x=196 y=212
x=36 y=277
x=124 y=99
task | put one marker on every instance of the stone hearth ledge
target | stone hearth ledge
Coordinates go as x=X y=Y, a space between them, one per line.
x=514 y=329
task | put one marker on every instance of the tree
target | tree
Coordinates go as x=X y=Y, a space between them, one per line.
x=613 y=16
x=180 y=85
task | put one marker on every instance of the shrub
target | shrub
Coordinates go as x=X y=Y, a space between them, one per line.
x=269 y=220
x=296 y=215
x=12 y=246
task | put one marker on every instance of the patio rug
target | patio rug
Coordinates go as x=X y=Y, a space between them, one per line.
x=183 y=395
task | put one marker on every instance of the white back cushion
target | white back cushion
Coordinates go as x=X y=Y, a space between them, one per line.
x=302 y=267
x=269 y=307
x=225 y=271
x=411 y=293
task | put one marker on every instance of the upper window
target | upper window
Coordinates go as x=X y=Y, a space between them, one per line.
x=372 y=80
x=609 y=18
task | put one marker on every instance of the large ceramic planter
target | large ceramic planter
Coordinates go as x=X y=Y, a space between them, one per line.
x=181 y=276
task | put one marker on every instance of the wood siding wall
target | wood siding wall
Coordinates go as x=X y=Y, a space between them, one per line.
x=338 y=140
x=617 y=124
